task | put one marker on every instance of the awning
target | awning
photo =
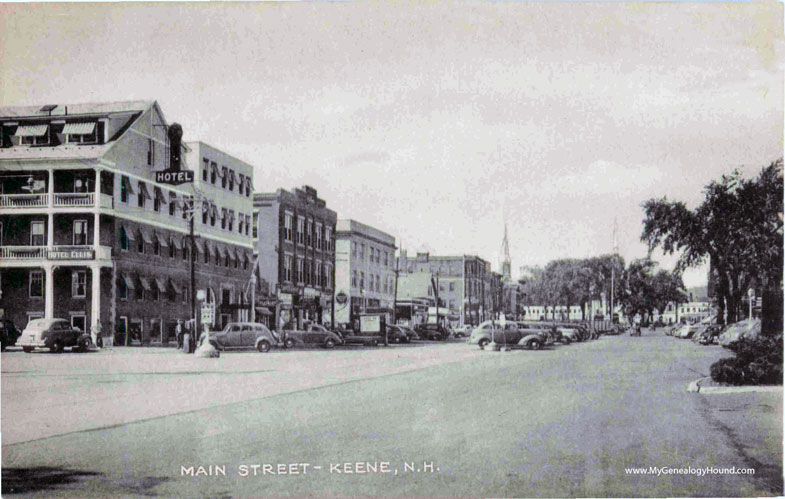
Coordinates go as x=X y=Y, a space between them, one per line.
x=176 y=243
x=31 y=130
x=144 y=191
x=263 y=311
x=215 y=168
x=177 y=201
x=213 y=210
x=232 y=253
x=160 y=283
x=128 y=233
x=146 y=237
x=79 y=128
x=231 y=216
x=127 y=183
x=128 y=280
x=145 y=284
x=220 y=250
x=162 y=240
x=209 y=248
x=160 y=195
x=176 y=287
x=199 y=245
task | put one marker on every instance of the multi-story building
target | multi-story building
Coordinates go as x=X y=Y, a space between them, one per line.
x=295 y=244
x=364 y=270
x=464 y=283
x=87 y=234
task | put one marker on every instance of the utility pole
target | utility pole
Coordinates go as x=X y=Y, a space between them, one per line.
x=395 y=295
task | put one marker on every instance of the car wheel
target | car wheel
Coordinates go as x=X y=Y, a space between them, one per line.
x=83 y=345
x=289 y=343
x=567 y=341
x=263 y=346
x=534 y=345
x=27 y=349
x=330 y=343
x=57 y=346
x=214 y=345
x=375 y=343
x=483 y=343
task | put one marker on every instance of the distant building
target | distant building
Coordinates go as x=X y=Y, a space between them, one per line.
x=295 y=244
x=364 y=270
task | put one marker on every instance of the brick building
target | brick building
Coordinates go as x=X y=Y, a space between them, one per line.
x=86 y=233
x=295 y=244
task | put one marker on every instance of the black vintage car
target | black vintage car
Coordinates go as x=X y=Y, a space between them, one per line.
x=8 y=333
x=432 y=332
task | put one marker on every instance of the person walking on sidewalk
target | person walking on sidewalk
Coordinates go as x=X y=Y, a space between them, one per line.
x=178 y=333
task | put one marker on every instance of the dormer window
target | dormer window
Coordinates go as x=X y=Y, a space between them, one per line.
x=33 y=135
x=80 y=133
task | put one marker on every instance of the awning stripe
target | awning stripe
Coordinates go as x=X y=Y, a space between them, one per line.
x=31 y=130
x=129 y=281
x=79 y=128
x=128 y=233
x=144 y=191
x=146 y=237
x=162 y=240
x=128 y=185
x=160 y=195
x=220 y=250
x=176 y=243
x=145 y=284
x=160 y=283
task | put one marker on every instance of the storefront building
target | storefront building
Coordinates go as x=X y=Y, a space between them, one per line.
x=295 y=246
x=86 y=232
x=364 y=270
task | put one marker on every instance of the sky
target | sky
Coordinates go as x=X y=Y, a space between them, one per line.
x=440 y=122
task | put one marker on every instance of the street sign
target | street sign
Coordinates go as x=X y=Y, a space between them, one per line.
x=174 y=177
x=208 y=314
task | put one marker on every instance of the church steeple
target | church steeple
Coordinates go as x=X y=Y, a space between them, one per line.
x=506 y=264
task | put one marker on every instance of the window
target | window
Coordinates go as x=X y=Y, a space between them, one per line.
x=362 y=251
x=156 y=293
x=245 y=262
x=172 y=249
x=80 y=233
x=122 y=290
x=309 y=233
x=81 y=133
x=213 y=212
x=319 y=274
x=82 y=183
x=300 y=230
x=223 y=177
x=40 y=140
x=226 y=259
x=230 y=222
x=156 y=246
x=300 y=272
x=318 y=236
x=224 y=218
x=140 y=197
x=205 y=169
x=255 y=224
x=79 y=284
x=124 y=183
x=185 y=294
x=287 y=268
x=150 y=151
x=240 y=182
x=354 y=248
x=240 y=222
x=172 y=207
x=452 y=286
x=354 y=278
x=157 y=200
x=248 y=188
x=37 y=234
x=328 y=270
x=213 y=171
x=205 y=213
x=328 y=238
x=36 y=284
x=362 y=280
x=140 y=245
x=124 y=241
x=206 y=255
x=247 y=228
x=287 y=227
x=186 y=249
x=231 y=180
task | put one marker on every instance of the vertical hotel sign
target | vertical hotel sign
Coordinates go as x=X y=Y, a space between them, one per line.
x=173 y=175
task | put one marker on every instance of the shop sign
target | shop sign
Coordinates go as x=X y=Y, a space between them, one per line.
x=341 y=298
x=288 y=288
x=266 y=303
x=310 y=292
x=285 y=298
x=71 y=254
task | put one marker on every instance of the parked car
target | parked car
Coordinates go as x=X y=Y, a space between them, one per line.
x=8 y=333
x=710 y=335
x=749 y=328
x=510 y=335
x=311 y=334
x=396 y=335
x=351 y=337
x=241 y=335
x=410 y=333
x=462 y=331
x=432 y=332
x=54 y=334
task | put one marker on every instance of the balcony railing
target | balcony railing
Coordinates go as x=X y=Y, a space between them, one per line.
x=24 y=200
x=55 y=253
x=61 y=200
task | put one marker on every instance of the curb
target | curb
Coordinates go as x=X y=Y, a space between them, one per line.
x=695 y=387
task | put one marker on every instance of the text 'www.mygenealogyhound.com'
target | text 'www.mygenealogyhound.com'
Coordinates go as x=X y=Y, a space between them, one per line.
x=689 y=470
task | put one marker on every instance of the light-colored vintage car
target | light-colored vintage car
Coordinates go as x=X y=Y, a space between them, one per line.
x=243 y=335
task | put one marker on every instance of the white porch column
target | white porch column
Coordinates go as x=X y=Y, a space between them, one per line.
x=51 y=189
x=49 y=292
x=95 y=295
x=96 y=212
x=50 y=230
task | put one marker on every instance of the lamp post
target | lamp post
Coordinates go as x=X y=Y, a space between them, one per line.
x=750 y=296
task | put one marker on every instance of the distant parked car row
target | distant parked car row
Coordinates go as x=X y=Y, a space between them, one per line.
x=708 y=332
x=529 y=335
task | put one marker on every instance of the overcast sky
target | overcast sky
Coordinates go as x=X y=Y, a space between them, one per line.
x=437 y=122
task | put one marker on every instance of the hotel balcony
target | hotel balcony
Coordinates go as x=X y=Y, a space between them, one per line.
x=25 y=256
x=56 y=200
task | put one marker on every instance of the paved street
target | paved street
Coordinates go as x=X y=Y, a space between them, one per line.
x=558 y=422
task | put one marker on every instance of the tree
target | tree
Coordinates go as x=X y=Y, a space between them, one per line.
x=738 y=227
x=645 y=289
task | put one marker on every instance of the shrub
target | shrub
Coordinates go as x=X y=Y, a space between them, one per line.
x=758 y=361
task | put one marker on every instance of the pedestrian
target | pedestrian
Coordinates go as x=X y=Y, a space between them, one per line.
x=178 y=333
x=95 y=333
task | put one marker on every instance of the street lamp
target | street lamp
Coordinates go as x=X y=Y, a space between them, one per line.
x=750 y=296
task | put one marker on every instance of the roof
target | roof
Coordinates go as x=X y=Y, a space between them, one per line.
x=76 y=109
